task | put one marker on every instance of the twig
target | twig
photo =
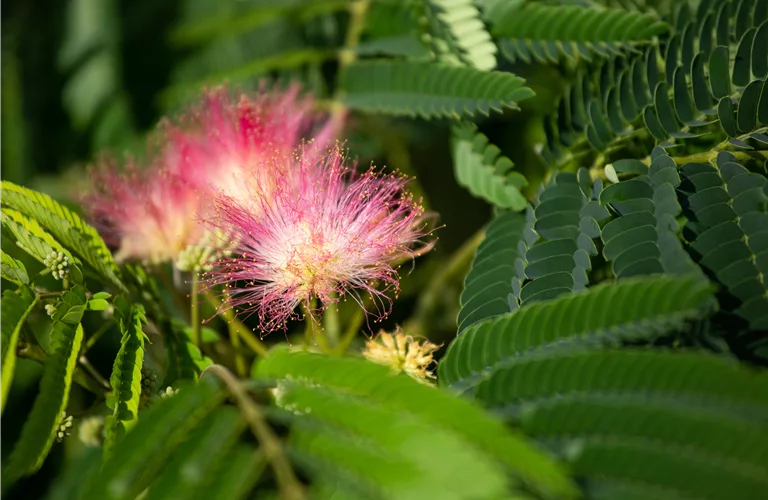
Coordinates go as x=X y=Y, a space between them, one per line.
x=88 y=367
x=96 y=336
x=352 y=328
x=429 y=299
x=290 y=487
x=236 y=327
x=36 y=353
x=194 y=311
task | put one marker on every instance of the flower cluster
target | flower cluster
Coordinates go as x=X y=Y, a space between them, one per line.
x=283 y=222
x=152 y=211
x=402 y=353
x=58 y=263
x=317 y=230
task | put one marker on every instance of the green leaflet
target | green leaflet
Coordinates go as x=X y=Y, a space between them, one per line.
x=489 y=285
x=16 y=306
x=400 y=393
x=13 y=270
x=237 y=473
x=484 y=171
x=30 y=237
x=126 y=378
x=455 y=31
x=139 y=457
x=567 y=217
x=65 y=226
x=728 y=210
x=645 y=237
x=545 y=33
x=629 y=309
x=429 y=90
x=336 y=434
x=185 y=360
x=695 y=421
x=704 y=76
x=196 y=461
x=40 y=428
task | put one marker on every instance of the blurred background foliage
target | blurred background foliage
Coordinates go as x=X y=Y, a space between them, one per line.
x=94 y=75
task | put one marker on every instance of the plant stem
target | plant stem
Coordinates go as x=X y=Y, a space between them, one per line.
x=96 y=336
x=194 y=311
x=88 y=367
x=31 y=351
x=352 y=328
x=429 y=299
x=709 y=156
x=348 y=54
x=289 y=485
x=237 y=328
x=331 y=324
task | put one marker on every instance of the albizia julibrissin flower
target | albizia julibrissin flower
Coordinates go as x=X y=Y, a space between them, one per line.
x=324 y=231
x=223 y=143
x=150 y=214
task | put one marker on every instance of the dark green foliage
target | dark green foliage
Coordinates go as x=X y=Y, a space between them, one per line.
x=489 y=284
x=429 y=90
x=605 y=411
x=544 y=33
x=484 y=171
x=628 y=310
x=644 y=237
x=704 y=77
x=727 y=206
x=567 y=217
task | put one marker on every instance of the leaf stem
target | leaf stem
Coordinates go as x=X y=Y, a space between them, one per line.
x=96 y=336
x=36 y=353
x=352 y=328
x=331 y=324
x=194 y=311
x=271 y=447
x=236 y=327
x=429 y=299
x=348 y=54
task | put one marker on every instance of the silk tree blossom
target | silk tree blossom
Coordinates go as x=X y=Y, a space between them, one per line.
x=150 y=214
x=224 y=142
x=322 y=230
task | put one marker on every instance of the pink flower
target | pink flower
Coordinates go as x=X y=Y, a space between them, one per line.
x=322 y=229
x=225 y=143
x=150 y=215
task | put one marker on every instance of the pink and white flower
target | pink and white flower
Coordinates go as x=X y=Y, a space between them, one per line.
x=151 y=215
x=224 y=142
x=322 y=230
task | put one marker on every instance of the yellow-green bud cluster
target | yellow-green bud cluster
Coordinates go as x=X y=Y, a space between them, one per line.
x=65 y=426
x=50 y=310
x=168 y=392
x=58 y=263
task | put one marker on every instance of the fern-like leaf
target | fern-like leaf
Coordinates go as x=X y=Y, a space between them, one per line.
x=491 y=280
x=546 y=32
x=126 y=376
x=13 y=270
x=429 y=90
x=16 y=306
x=631 y=309
x=484 y=171
x=30 y=237
x=402 y=394
x=66 y=226
x=566 y=218
x=198 y=458
x=141 y=455
x=728 y=210
x=39 y=430
x=644 y=239
x=382 y=449
x=607 y=410
x=456 y=32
